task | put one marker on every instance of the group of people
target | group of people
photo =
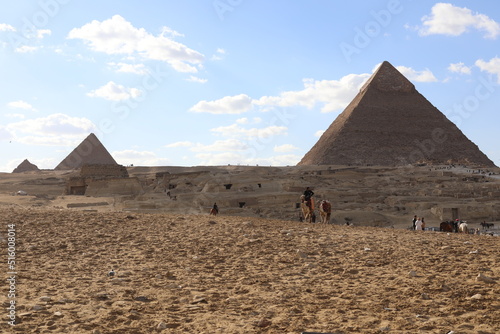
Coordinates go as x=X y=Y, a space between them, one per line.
x=418 y=223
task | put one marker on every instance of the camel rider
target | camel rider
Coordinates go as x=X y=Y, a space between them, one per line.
x=307 y=196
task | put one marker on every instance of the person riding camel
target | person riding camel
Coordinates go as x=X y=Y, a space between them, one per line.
x=308 y=194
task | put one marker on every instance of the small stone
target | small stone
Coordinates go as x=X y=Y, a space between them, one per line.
x=301 y=254
x=212 y=222
x=263 y=323
x=367 y=249
x=45 y=299
x=474 y=252
x=484 y=278
x=162 y=325
x=142 y=299
x=477 y=296
x=38 y=307
x=199 y=299
x=412 y=273
x=58 y=314
x=425 y=296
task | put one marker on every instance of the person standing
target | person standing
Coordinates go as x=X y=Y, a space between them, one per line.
x=414 y=220
x=418 y=225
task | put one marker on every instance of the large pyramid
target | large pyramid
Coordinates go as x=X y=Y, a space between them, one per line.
x=390 y=123
x=90 y=151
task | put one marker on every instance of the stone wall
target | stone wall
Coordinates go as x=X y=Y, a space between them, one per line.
x=97 y=171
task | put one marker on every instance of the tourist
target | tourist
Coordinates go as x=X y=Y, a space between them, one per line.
x=423 y=224
x=308 y=194
x=418 y=225
x=414 y=220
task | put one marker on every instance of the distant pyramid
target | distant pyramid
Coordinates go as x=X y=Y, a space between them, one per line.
x=25 y=166
x=390 y=123
x=90 y=151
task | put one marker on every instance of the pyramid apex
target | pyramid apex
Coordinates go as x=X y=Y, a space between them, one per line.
x=387 y=78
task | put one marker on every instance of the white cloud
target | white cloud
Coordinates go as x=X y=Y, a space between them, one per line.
x=115 y=92
x=285 y=148
x=459 y=68
x=235 y=131
x=118 y=36
x=22 y=116
x=5 y=134
x=139 y=158
x=219 y=54
x=418 y=76
x=221 y=146
x=211 y=159
x=26 y=49
x=447 y=19
x=40 y=33
x=333 y=94
x=55 y=129
x=319 y=133
x=278 y=160
x=193 y=78
x=492 y=66
x=6 y=27
x=245 y=120
x=227 y=105
x=129 y=68
x=170 y=32
x=180 y=144
x=21 y=105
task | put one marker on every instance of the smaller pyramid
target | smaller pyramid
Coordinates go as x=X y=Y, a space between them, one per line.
x=90 y=151
x=25 y=166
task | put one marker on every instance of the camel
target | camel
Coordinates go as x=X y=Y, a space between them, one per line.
x=307 y=208
x=325 y=210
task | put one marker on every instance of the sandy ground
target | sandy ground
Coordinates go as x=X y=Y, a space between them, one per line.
x=205 y=274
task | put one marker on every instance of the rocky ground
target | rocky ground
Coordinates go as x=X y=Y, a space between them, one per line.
x=226 y=274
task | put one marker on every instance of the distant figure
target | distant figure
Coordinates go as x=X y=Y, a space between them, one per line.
x=418 y=225
x=423 y=224
x=308 y=194
x=414 y=220
x=215 y=210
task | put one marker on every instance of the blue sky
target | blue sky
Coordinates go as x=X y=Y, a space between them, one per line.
x=222 y=82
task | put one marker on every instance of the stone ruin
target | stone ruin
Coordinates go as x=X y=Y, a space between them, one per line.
x=102 y=180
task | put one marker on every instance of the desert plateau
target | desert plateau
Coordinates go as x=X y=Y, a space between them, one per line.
x=254 y=268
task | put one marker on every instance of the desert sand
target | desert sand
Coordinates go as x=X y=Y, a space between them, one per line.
x=181 y=273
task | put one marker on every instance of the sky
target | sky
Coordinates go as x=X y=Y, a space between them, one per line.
x=217 y=82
